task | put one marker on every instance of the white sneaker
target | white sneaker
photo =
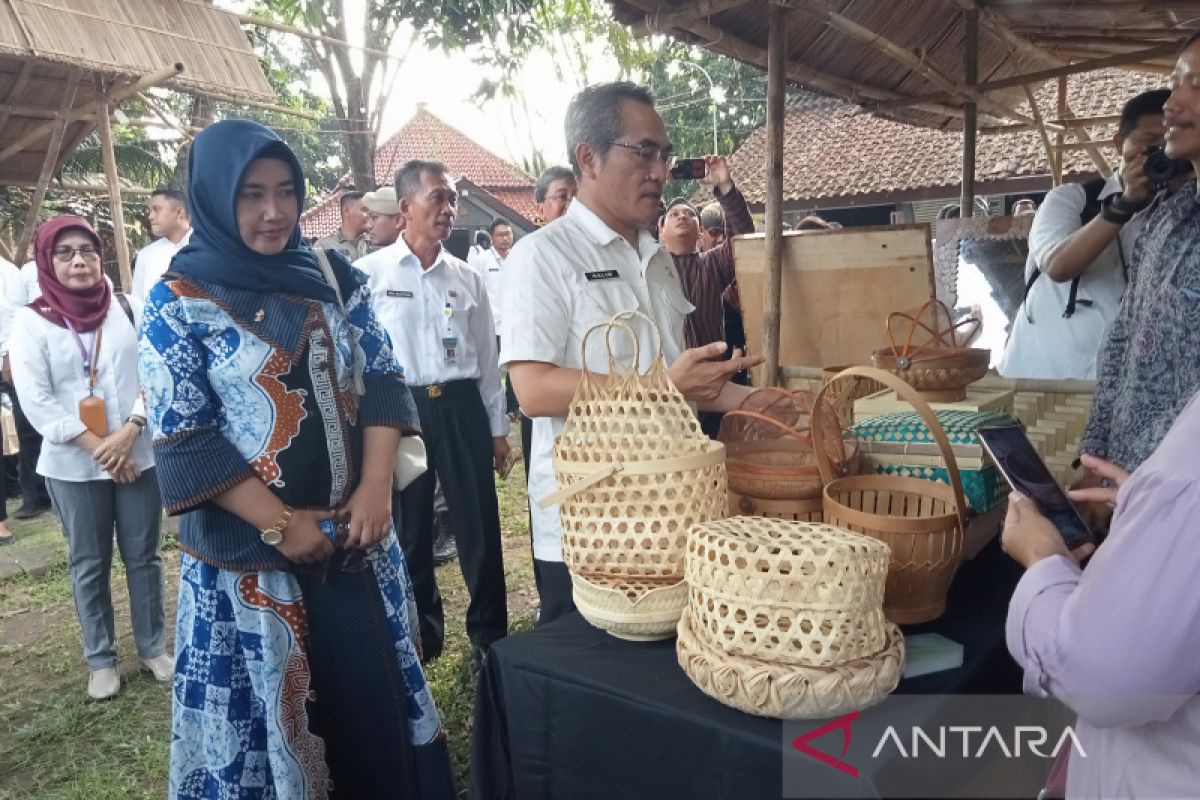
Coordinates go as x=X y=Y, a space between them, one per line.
x=104 y=683
x=162 y=666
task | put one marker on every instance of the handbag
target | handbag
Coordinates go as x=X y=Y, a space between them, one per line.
x=411 y=459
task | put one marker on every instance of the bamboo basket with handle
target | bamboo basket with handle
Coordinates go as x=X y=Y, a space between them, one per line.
x=921 y=521
x=635 y=472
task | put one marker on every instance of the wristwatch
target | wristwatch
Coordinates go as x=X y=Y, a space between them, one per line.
x=274 y=535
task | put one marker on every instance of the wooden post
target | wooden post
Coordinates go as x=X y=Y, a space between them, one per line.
x=115 y=208
x=776 y=98
x=48 y=163
x=966 y=203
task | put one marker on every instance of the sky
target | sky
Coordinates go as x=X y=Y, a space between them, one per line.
x=445 y=85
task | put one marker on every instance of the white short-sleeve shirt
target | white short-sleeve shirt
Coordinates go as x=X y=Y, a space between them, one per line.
x=561 y=280
x=152 y=262
x=439 y=320
x=1044 y=344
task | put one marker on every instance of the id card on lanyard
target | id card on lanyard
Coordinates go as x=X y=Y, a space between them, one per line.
x=91 y=407
x=449 y=339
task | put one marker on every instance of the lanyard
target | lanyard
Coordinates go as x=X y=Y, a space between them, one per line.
x=89 y=363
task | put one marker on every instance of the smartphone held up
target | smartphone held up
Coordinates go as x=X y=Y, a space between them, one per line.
x=689 y=169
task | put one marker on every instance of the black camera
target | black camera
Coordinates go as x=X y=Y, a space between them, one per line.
x=1160 y=168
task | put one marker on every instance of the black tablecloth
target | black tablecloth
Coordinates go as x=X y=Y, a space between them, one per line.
x=567 y=712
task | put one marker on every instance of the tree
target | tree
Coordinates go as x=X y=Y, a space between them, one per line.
x=360 y=78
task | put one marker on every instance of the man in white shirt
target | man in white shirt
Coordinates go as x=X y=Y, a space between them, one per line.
x=435 y=308
x=169 y=222
x=1080 y=248
x=595 y=261
x=490 y=263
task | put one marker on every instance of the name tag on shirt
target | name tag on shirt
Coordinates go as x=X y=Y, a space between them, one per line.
x=397 y=293
x=602 y=275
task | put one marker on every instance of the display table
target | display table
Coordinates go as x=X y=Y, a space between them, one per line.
x=567 y=712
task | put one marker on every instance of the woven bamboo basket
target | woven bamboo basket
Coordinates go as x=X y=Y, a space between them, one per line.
x=643 y=610
x=921 y=521
x=842 y=395
x=634 y=471
x=768 y=446
x=787 y=592
x=788 y=691
x=940 y=367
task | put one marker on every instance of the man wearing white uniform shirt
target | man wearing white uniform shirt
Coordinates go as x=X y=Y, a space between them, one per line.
x=1080 y=250
x=435 y=309
x=168 y=217
x=597 y=260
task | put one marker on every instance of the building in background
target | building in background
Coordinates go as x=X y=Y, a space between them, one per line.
x=488 y=186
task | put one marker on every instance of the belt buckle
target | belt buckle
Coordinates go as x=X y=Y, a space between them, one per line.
x=434 y=390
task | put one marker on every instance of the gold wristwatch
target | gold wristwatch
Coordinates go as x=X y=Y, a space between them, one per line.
x=274 y=535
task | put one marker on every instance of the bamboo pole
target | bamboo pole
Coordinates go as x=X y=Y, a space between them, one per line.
x=966 y=205
x=116 y=208
x=1055 y=167
x=666 y=17
x=56 y=139
x=1093 y=151
x=15 y=90
x=117 y=95
x=777 y=44
x=1062 y=113
x=821 y=9
x=1088 y=65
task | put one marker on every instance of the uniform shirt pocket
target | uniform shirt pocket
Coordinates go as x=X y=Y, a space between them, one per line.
x=600 y=301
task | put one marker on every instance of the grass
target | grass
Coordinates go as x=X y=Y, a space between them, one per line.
x=56 y=744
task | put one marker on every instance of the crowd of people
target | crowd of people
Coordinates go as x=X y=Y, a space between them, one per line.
x=259 y=388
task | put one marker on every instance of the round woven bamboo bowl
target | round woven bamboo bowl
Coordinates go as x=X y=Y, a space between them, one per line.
x=939 y=376
x=634 y=610
x=789 y=691
x=921 y=521
x=787 y=592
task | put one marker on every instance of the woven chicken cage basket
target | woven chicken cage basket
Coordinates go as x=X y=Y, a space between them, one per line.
x=634 y=471
x=787 y=592
x=921 y=521
x=934 y=357
x=769 y=458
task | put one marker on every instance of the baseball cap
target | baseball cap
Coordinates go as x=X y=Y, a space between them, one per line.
x=382 y=201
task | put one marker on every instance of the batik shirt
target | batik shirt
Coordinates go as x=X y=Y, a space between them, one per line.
x=242 y=384
x=1150 y=364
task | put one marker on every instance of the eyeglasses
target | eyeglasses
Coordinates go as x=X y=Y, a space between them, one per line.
x=67 y=254
x=650 y=153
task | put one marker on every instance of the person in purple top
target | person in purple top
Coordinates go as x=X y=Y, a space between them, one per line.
x=1119 y=643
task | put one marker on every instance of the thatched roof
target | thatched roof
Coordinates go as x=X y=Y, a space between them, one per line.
x=905 y=57
x=43 y=43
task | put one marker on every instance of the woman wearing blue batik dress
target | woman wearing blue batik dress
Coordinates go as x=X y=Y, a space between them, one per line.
x=277 y=412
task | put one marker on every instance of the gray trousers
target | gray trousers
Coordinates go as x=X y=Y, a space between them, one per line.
x=89 y=511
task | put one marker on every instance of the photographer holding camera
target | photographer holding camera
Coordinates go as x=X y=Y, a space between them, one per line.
x=1080 y=250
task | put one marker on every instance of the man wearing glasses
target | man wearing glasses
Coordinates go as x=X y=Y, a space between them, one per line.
x=598 y=260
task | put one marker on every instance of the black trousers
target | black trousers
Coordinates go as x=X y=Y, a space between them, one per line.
x=554 y=588
x=458 y=442
x=33 y=486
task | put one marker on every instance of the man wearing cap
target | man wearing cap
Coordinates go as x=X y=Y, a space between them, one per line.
x=712 y=226
x=384 y=222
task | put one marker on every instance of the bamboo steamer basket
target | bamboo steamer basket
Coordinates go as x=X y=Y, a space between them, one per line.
x=940 y=368
x=787 y=592
x=921 y=521
x=788 y=691
x=634 y=471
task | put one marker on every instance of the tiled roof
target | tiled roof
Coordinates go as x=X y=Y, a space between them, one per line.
x=835 y=152
x=429 y=138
